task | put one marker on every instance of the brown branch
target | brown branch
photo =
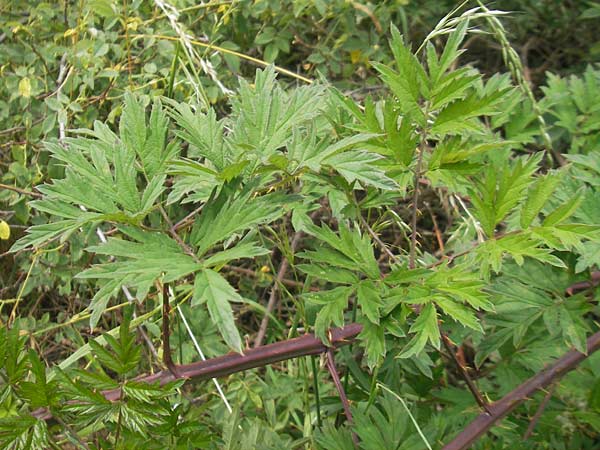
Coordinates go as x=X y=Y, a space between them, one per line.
x=584 y=285
x=173 y=233
x=538 y=413
x=280 y=276
x=368 y=12
x=225 y=365
x=415 y=203
x=463 y=372
x=187 y=219
x=338 y=385
x=21 y=128
x=498 y=410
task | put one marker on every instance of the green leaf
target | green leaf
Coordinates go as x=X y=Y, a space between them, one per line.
x=537 y=197
x=407 y=83
x=426 y=329
x=124 y=354
x=155 y=152
x=265 y=114
x=154 y=255
x=564 y=211
x=372 y=337
x=327 y=273
x=470 y=291
x=125 y=178
x=357 y=165
x=590 y=256
x=24 y=432
x=226 y=214
x=153 y=190
x=241 y=250
x=456 y=117
x=214 y=290
x=451 y=51
x=459 y=313
x=497 y=194
x=518 y=246
x=333 y=303
x=40 y=234
x=573 y=332
x=369 y=300
x=356 y=250
x=132 y=127
x=203 y=131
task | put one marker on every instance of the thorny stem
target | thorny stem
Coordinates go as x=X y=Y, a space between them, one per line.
x=415 y=199
x=224 y=365
x=482 y=402
x=498 y=410
x=338 y=384
x=584 y=285
x=539 y=412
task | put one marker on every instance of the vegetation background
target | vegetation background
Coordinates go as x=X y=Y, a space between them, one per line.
x=429 y=170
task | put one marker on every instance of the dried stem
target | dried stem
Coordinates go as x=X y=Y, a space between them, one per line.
x=436 y=228
x=186 y=248
x=187 y=219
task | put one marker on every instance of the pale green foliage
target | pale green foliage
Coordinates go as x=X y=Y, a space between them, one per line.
x=436 y=115
x=573 y=104
x=214 y=290
x=443 y=131
x=120 y=179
